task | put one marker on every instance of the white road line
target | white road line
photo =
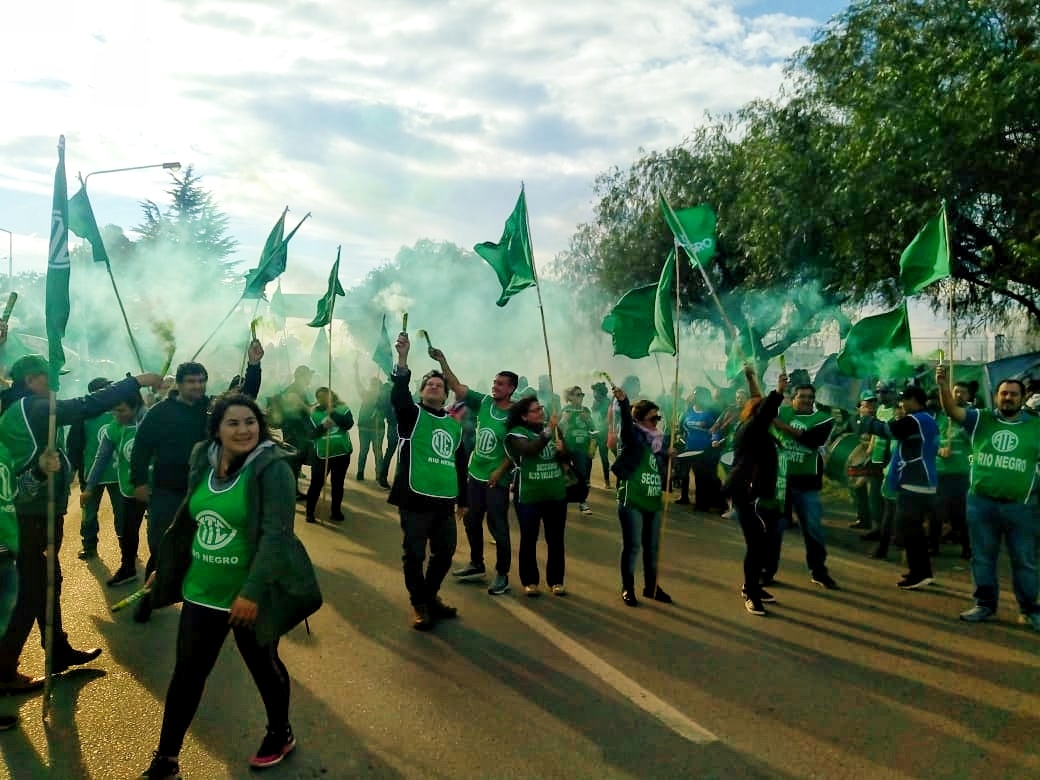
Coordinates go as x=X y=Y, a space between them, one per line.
x=626 y=686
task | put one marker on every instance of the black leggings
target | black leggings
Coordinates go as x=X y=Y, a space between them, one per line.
x=199 y=639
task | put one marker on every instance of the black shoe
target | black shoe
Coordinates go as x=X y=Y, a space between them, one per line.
x=360 y=478
x=277 y=745
x=122 y=576
x=421 y=618
x=763 y=595
x=824 y=580
x=87 y=553
x=69 y=656
x=880 y=554
x=143 y=610
x=311 y=519
x=871 y=536
x=162 y=768
x=8 y=722
x=768 y=580
x=683 y=501
x=915 y=581
x=383 y=484
x=337 y=519
x=657 y=594
x=441 y=611
x=629 y=598
x=20 y=683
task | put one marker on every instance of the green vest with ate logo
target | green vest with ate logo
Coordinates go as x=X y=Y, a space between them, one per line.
x=220 y=554
x=540 y=476
x=431 y=466
x=8 y=518
x=1004 y=455
x=643 y=489
x=92 y=441
x=489 y=448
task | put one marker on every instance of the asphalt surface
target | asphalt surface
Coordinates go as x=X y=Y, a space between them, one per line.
x=864 y=682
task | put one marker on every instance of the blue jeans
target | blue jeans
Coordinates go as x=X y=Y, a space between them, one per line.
x=8 y=588
x=988 y=520
x=807 y=505
x=88 y=525
x=640 y=529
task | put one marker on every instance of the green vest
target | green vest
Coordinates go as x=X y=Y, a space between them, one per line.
x=1004 y=456
x=643 y=489
x=220 y=553
x=881 y=450
x=122 y=438
x=92 y=430
x=577 y=426
x=336 y=441
x=956 y=438
x=539 y=477
x=431 y=465
x=489 y=440
x=800 y=460
x=18 y=437
x=8 y=518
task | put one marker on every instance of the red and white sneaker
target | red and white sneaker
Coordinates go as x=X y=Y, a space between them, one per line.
x=276 y=746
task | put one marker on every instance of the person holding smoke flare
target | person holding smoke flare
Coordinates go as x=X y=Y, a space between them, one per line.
x=642 y=460
x=757 y=486
x=541 y=492
x=332 y=420
x=233 y=559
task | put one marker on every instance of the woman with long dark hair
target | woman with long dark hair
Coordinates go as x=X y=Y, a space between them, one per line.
x=231 y=556
x=541 y=492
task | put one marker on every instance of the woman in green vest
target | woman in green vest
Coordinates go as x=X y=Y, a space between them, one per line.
x=231 y=556
x=331 y=419
x=579 y=437
x=541 y=492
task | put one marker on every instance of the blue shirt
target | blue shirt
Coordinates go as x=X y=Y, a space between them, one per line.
x=697 y=427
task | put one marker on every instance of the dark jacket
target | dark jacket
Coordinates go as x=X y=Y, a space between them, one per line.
x=630 y=451
x=281 y=577
x=407 y=413
x=168 y=433
x=755 y=454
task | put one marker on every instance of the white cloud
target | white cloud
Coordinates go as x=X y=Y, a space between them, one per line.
x=390 y=121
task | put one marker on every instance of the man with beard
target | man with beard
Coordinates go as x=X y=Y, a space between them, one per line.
x=487 y=489
x=1002 y=497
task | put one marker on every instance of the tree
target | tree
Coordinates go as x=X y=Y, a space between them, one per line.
x=192 y=228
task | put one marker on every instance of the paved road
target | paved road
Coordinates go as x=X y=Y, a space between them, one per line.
x=865 y=682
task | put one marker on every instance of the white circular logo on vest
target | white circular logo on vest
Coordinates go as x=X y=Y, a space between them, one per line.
x=7 y=489
x=653 y=464
x=128 y=450
x=486 y=441
x=443 y=444
x=548 y=452
x=1004 y=441
x=213 y=532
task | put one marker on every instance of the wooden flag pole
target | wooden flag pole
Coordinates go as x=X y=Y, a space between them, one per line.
x=52 y=558
x=325 y=479
x=666 y=496
x=541 y=307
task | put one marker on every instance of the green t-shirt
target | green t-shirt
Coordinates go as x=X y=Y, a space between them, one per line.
x=337 y=441
x=8 y=488
x=539 y=477
x=93 y=430
x=1004 y=455
x=578 y=428
x=955 y=437
x=881 y=450
x=800 y=460
x=489 y=439
x=220 y=554
x=431 y=464
x=643 y=489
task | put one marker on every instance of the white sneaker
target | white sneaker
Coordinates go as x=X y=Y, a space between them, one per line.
x=532 y=590
x=585 y=508
x=559 y=590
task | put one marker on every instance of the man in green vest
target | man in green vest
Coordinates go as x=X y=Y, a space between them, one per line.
x=803 y=430
x=1002 y=496
x=430 y=481
x=487 y=488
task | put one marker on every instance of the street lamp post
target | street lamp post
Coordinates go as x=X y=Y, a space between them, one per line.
x=169 y=166
x=10 y=259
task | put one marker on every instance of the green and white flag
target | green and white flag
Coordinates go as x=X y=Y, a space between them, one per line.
x=511 y=257
x=83 y=224
x=327 y=302
x=57 y=298
x=642 y=320
x=273 y=259
x=693 y=228
x=383 y=354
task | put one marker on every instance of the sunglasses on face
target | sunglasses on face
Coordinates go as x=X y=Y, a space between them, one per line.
x=654 y=418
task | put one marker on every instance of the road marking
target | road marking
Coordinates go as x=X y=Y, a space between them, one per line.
x=626 y=686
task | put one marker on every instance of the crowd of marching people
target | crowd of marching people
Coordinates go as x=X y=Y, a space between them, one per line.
x=214 y=480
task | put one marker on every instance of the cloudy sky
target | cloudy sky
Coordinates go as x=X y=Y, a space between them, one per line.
x=389 y=120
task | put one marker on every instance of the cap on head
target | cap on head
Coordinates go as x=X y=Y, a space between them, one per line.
x=868 y=395
x=27 y=366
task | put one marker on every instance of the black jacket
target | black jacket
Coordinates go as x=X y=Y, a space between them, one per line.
x=630 y=450
x=755 y=455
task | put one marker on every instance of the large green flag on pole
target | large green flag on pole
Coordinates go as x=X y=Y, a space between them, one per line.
x=927 y=258
x=511 y=257
x=383 y=354
x=878 y=345
x=327 y=302
x=642 y=321
x=83 y=224
x=273 y=258
x=57 y=298
x=693 y=228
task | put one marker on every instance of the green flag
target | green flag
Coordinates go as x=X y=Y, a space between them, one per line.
x=631 y=322
x=383 y=354
x=927 y=258
x=57 y=298
x=327 y=302
x=320 y=350
x=277 y=306
x=664 y=306
x=739 y=351
x=83 y=224
x=272 y=259
x=878 y=345
x=693 y=228
x=511 y=257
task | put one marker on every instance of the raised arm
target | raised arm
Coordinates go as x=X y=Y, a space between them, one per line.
x=453 y=382
x=949 y=403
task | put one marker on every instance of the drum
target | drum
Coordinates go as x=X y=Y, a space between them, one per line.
x=845 y=452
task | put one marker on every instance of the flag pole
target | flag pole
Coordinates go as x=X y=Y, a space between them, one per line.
x=328 y=402
x=216 y=329
x=674 y=422
x=252 y=336
x=541 y=308
x=52 y=557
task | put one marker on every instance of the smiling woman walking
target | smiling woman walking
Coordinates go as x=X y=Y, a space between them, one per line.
x=232 y=557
